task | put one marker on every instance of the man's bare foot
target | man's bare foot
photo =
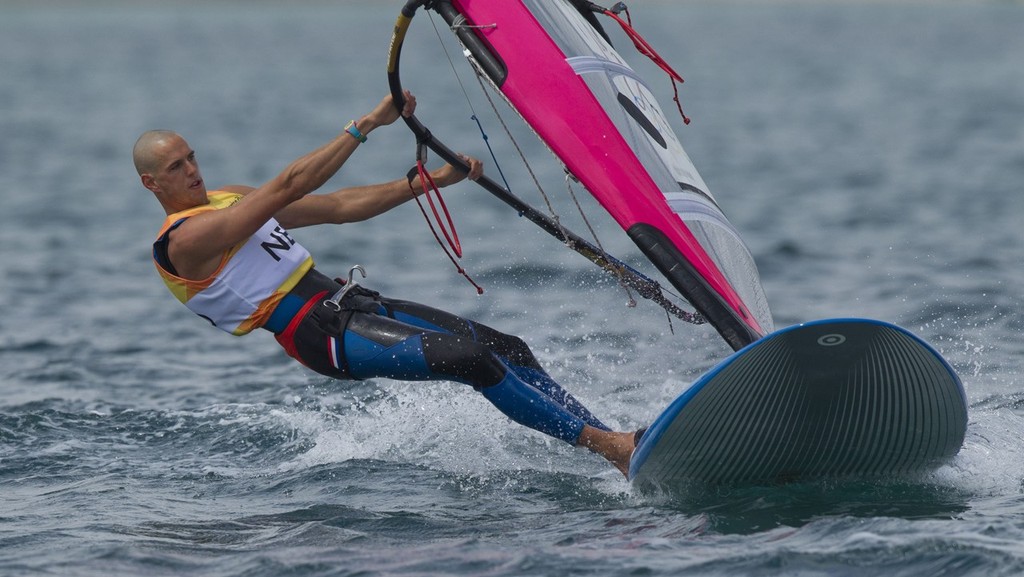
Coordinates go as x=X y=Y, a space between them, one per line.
x=616 y=447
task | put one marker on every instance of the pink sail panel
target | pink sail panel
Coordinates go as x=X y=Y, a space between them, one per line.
x=557 y=103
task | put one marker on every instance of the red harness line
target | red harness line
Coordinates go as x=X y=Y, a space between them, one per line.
x=430 y=190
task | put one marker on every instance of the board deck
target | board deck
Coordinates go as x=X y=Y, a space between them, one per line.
x=832 y=398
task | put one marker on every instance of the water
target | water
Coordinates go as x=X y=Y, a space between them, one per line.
x=871 y=153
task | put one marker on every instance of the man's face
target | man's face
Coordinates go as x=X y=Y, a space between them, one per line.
x=176 y=175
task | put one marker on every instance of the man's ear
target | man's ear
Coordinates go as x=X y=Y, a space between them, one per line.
x=149 y=182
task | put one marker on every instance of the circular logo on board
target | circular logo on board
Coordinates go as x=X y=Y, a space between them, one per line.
x=831 y=340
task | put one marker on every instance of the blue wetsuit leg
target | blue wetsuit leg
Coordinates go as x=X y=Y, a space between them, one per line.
x=512 y=350
x=379 y=346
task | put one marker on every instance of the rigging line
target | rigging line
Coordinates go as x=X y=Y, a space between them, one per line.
x=451 y=63
x=529 y=168
x=619 y=270
x=643 y=47
x=597 y=241
x=465 y=93
x=461 y=22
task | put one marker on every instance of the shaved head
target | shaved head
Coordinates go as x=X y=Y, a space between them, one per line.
x=167 y=166
x=144 y=153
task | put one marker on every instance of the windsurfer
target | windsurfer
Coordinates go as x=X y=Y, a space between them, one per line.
x=228 y=256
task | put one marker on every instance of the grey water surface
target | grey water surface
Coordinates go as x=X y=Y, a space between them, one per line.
x=871 y=153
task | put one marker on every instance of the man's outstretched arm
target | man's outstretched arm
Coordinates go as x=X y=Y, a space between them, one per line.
x=364 y=202
x=198 y=244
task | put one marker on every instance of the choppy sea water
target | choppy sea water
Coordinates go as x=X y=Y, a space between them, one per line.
x=871 y=154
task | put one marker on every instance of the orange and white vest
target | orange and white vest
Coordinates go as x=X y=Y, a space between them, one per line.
x=252 y=278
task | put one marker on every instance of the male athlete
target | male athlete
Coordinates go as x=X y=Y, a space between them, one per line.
x=228 y=256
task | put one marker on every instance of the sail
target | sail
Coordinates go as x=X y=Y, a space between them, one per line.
x=603 y=122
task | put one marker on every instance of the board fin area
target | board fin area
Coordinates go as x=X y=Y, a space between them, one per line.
x=832 y=398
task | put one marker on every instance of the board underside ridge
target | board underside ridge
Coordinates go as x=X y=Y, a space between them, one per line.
x=833 y=399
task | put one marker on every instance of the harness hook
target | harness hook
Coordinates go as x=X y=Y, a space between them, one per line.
x=335 y=301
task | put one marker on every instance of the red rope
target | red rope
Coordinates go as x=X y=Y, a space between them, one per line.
x=647 y=50
x=429 y=186
x=453 y=239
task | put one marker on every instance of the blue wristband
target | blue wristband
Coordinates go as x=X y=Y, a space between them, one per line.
x=352 y=129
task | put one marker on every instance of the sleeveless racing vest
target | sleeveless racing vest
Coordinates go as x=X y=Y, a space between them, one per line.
x=251 y=279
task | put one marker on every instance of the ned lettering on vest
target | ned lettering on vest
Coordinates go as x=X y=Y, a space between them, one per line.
x=229 y=256
x=284 y=242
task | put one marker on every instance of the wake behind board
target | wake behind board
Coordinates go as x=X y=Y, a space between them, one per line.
x=831 y=398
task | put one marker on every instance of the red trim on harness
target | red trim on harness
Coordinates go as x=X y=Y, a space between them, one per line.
x=287 y=336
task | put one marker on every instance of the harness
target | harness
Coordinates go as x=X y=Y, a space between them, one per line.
x=310 y=326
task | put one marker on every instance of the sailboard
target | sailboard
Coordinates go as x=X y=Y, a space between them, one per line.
x=844 y=397
x=554 y=64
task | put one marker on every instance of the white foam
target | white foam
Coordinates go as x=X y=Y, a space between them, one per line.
x=991 y=461
x=439 y=425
